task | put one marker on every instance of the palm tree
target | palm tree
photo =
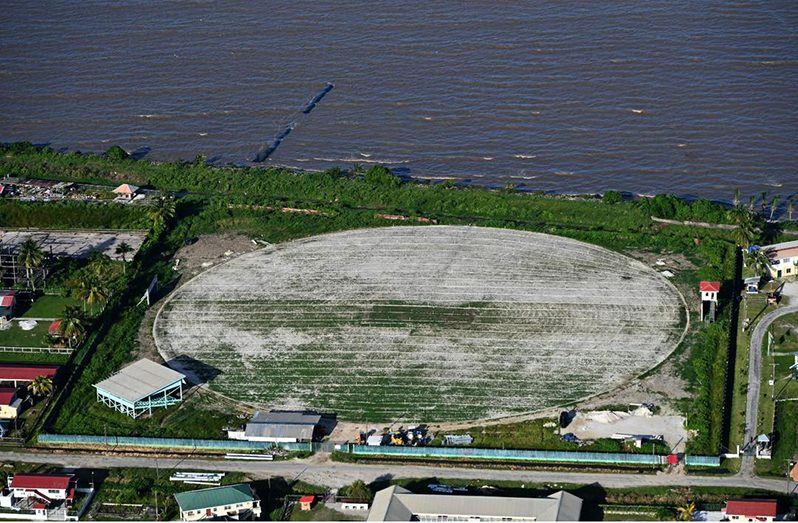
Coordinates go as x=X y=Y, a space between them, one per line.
x=745 y=232
x=758 y=261
x=72 y=326
x=686 y=511
x=789 y=209
x=773 y=204
x=41 y=385
x=736 y=200
x=123 y=249
x=162 y=211
x=91 y=291
x=31 y=257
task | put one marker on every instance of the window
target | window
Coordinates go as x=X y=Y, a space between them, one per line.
x=789 y=271
x=227 y=507
x=53 y=491
x=190 y=512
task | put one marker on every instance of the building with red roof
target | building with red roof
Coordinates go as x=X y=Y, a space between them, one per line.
x=709 y=299
x=55 y=328
x=48 y=489
x=306 y=502
x=8 y=300
x=750 y=510
x=10 y=372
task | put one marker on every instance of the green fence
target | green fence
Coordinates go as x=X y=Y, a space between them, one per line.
x=167 y=443
x=702 y=461
x=554 y=456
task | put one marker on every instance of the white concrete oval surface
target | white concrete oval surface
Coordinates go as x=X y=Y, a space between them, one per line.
x=434 y=323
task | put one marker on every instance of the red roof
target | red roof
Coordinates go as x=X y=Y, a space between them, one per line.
x=709 y=286
x=41 y=481
x=751 y=508
x=10 y=372
x=2 y=188
x=39 y=505
x=7 y=300
x=7 y=395
x=307 y=499
x=55 y=328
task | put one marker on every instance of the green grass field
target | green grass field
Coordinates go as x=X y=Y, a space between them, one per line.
x=50 y=306
x=16 y=337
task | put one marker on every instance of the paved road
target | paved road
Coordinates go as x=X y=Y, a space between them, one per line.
x=754 y=381
x=320 y=470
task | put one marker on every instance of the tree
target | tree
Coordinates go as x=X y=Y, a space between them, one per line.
x=736 y=201
x=790 y=209
x=91 y=291
x=162 y=211
x=773 y=204
x=71 y=326
x=123 y=249
x=358 y=491
x=40 y=386
x=31 y=257
x=745 y=232
x=758 y=261
x=686 y=511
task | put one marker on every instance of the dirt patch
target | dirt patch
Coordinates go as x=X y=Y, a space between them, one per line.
x=211 y=250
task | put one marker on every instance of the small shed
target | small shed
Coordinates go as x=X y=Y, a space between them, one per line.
x=752 y=285
x=306 y=502
x=127 y=191
x=282 y=426
x=8 y=300
x=709 y=299
x=9 y=403
x=140 y=387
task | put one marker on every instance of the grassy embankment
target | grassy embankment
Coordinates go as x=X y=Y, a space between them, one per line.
x=250 y=201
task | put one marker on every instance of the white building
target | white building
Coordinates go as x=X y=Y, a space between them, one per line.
x=398 y=504
x=235 y=502
x=279 y=427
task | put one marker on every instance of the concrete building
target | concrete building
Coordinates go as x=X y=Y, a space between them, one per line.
x=398 y=504
x=233 y=502
x=783 y=259
x=46 y=488
x=750 y=510
x=140 y=387
x=279 y=427
x=10 y=404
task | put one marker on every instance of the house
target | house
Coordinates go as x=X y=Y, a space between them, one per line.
x=783 y=259
x=306 y=502
x=8 y=300
x=49 y=489
x=750 y=510
x=140 y=387
x=234 y=502
x=126 y=191
x=280 y=427
x=10 y=404
x=16 y=374
x=709 y=299
x=398 y=504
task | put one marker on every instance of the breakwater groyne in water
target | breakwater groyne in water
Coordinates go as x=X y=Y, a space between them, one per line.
x=272 y=146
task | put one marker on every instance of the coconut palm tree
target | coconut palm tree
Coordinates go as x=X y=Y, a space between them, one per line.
x=758 y=261
x=123 y=249
x=736 y=200
x=745 y=232
x=773 y=204
x=31 y=257
x=72 y=326
x=790 y=205
x=162 y=211
x=40 y=386
x=91 y=291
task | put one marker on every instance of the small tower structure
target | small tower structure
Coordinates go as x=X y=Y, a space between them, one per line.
x=709 y=300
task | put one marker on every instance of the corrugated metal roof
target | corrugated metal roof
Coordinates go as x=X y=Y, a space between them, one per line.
x=397 y=504
x=10 y=372
x=41 y=481
x=279 y=431
x=286 y=417
x=214 y=497
x=139 y=380
x=751 y=507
